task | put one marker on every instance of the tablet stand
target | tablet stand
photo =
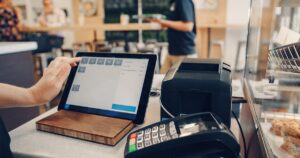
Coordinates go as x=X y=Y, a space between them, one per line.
x=95 y=128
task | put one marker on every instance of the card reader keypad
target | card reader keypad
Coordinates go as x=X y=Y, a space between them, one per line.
x=151 y=136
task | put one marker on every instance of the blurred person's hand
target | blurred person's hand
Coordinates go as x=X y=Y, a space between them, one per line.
x=153 y=20
x=176 y=25
x=43 y=23
x=156 y=20
x=53 y=79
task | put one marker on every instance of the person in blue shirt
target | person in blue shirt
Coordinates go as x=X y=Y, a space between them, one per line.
x=43 y=91
x=181 y=26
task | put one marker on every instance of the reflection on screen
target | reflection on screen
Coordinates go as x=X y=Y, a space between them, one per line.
x=196 y=125
x=192 y=127
x=109 y=84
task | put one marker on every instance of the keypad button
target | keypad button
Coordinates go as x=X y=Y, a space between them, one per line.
x=172 y=127
x=164 y=138
x=148 y=131
x=162 y=133
x=147 y=137
x=155 y=129
x=172 y=123
x=132 y=141
x=140 y=133
x=132 y=148
x=173 y=130
x=154 y=135
x=148 y=143
x=156 y=141
x=162 y=127
x=174 y=136
x=139 y=139
x=140 y=146
x=133 y=135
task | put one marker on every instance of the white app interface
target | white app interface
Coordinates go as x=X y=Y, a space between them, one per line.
x=113 y=84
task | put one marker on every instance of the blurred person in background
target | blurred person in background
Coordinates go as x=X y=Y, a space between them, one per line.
x=181 y=27
x=51 y=15
x=10 y=22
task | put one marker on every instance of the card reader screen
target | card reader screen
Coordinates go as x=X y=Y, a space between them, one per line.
x=108 y=84
x=192 y=127
x=197 y=125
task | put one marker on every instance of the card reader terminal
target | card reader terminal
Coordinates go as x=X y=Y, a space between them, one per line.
x=196 y=135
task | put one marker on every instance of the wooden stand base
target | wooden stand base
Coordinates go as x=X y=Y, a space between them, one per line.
x=95 y=128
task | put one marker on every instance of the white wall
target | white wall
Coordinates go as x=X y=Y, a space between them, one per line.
x=237 y=12
x=237 y=18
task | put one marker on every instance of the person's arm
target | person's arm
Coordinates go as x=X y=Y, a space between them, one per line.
x=12 y=95
x=176 y=25
x=185 y=11
x=43 y=91
x=61 y=18
x=42 y=20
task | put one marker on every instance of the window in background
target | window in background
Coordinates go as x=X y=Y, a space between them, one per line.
x=113 y=10
x=155 y=7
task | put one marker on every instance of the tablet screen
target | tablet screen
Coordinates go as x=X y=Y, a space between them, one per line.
x=112 y=86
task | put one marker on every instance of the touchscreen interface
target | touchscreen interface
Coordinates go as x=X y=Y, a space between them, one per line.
x=109 y=85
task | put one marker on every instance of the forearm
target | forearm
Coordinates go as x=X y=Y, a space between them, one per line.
x=12 y=96
x=178 y=25
x=44 y=91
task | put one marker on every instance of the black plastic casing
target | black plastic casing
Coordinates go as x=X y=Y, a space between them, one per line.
x=198 y=85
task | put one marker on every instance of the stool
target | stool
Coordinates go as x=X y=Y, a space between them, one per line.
x=219 y=43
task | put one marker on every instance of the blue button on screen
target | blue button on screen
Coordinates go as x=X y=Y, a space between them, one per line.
x=67 y=106
x=124 y=107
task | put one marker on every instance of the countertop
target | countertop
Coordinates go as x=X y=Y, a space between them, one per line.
x=26 y=141
x=16 y=47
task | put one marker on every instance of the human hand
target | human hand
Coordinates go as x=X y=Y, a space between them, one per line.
x=43 y=23
x=157 y=20
x=53 y=79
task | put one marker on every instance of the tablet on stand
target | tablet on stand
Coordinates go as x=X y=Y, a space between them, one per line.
x=106 y=94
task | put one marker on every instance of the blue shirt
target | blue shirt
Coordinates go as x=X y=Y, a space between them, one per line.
x=182 y=43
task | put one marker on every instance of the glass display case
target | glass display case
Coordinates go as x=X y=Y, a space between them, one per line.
x=272 y=79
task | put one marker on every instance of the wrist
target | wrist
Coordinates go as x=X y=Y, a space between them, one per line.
x=163 y=23
x=33 y=96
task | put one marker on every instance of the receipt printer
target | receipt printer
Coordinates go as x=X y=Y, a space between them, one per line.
x=197 y=85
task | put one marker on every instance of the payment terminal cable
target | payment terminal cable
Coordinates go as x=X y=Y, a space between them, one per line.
x=166 y=111
x=163 y=107
x=242 y=132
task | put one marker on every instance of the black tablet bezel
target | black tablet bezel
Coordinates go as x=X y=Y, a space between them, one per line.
x=139 y=117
